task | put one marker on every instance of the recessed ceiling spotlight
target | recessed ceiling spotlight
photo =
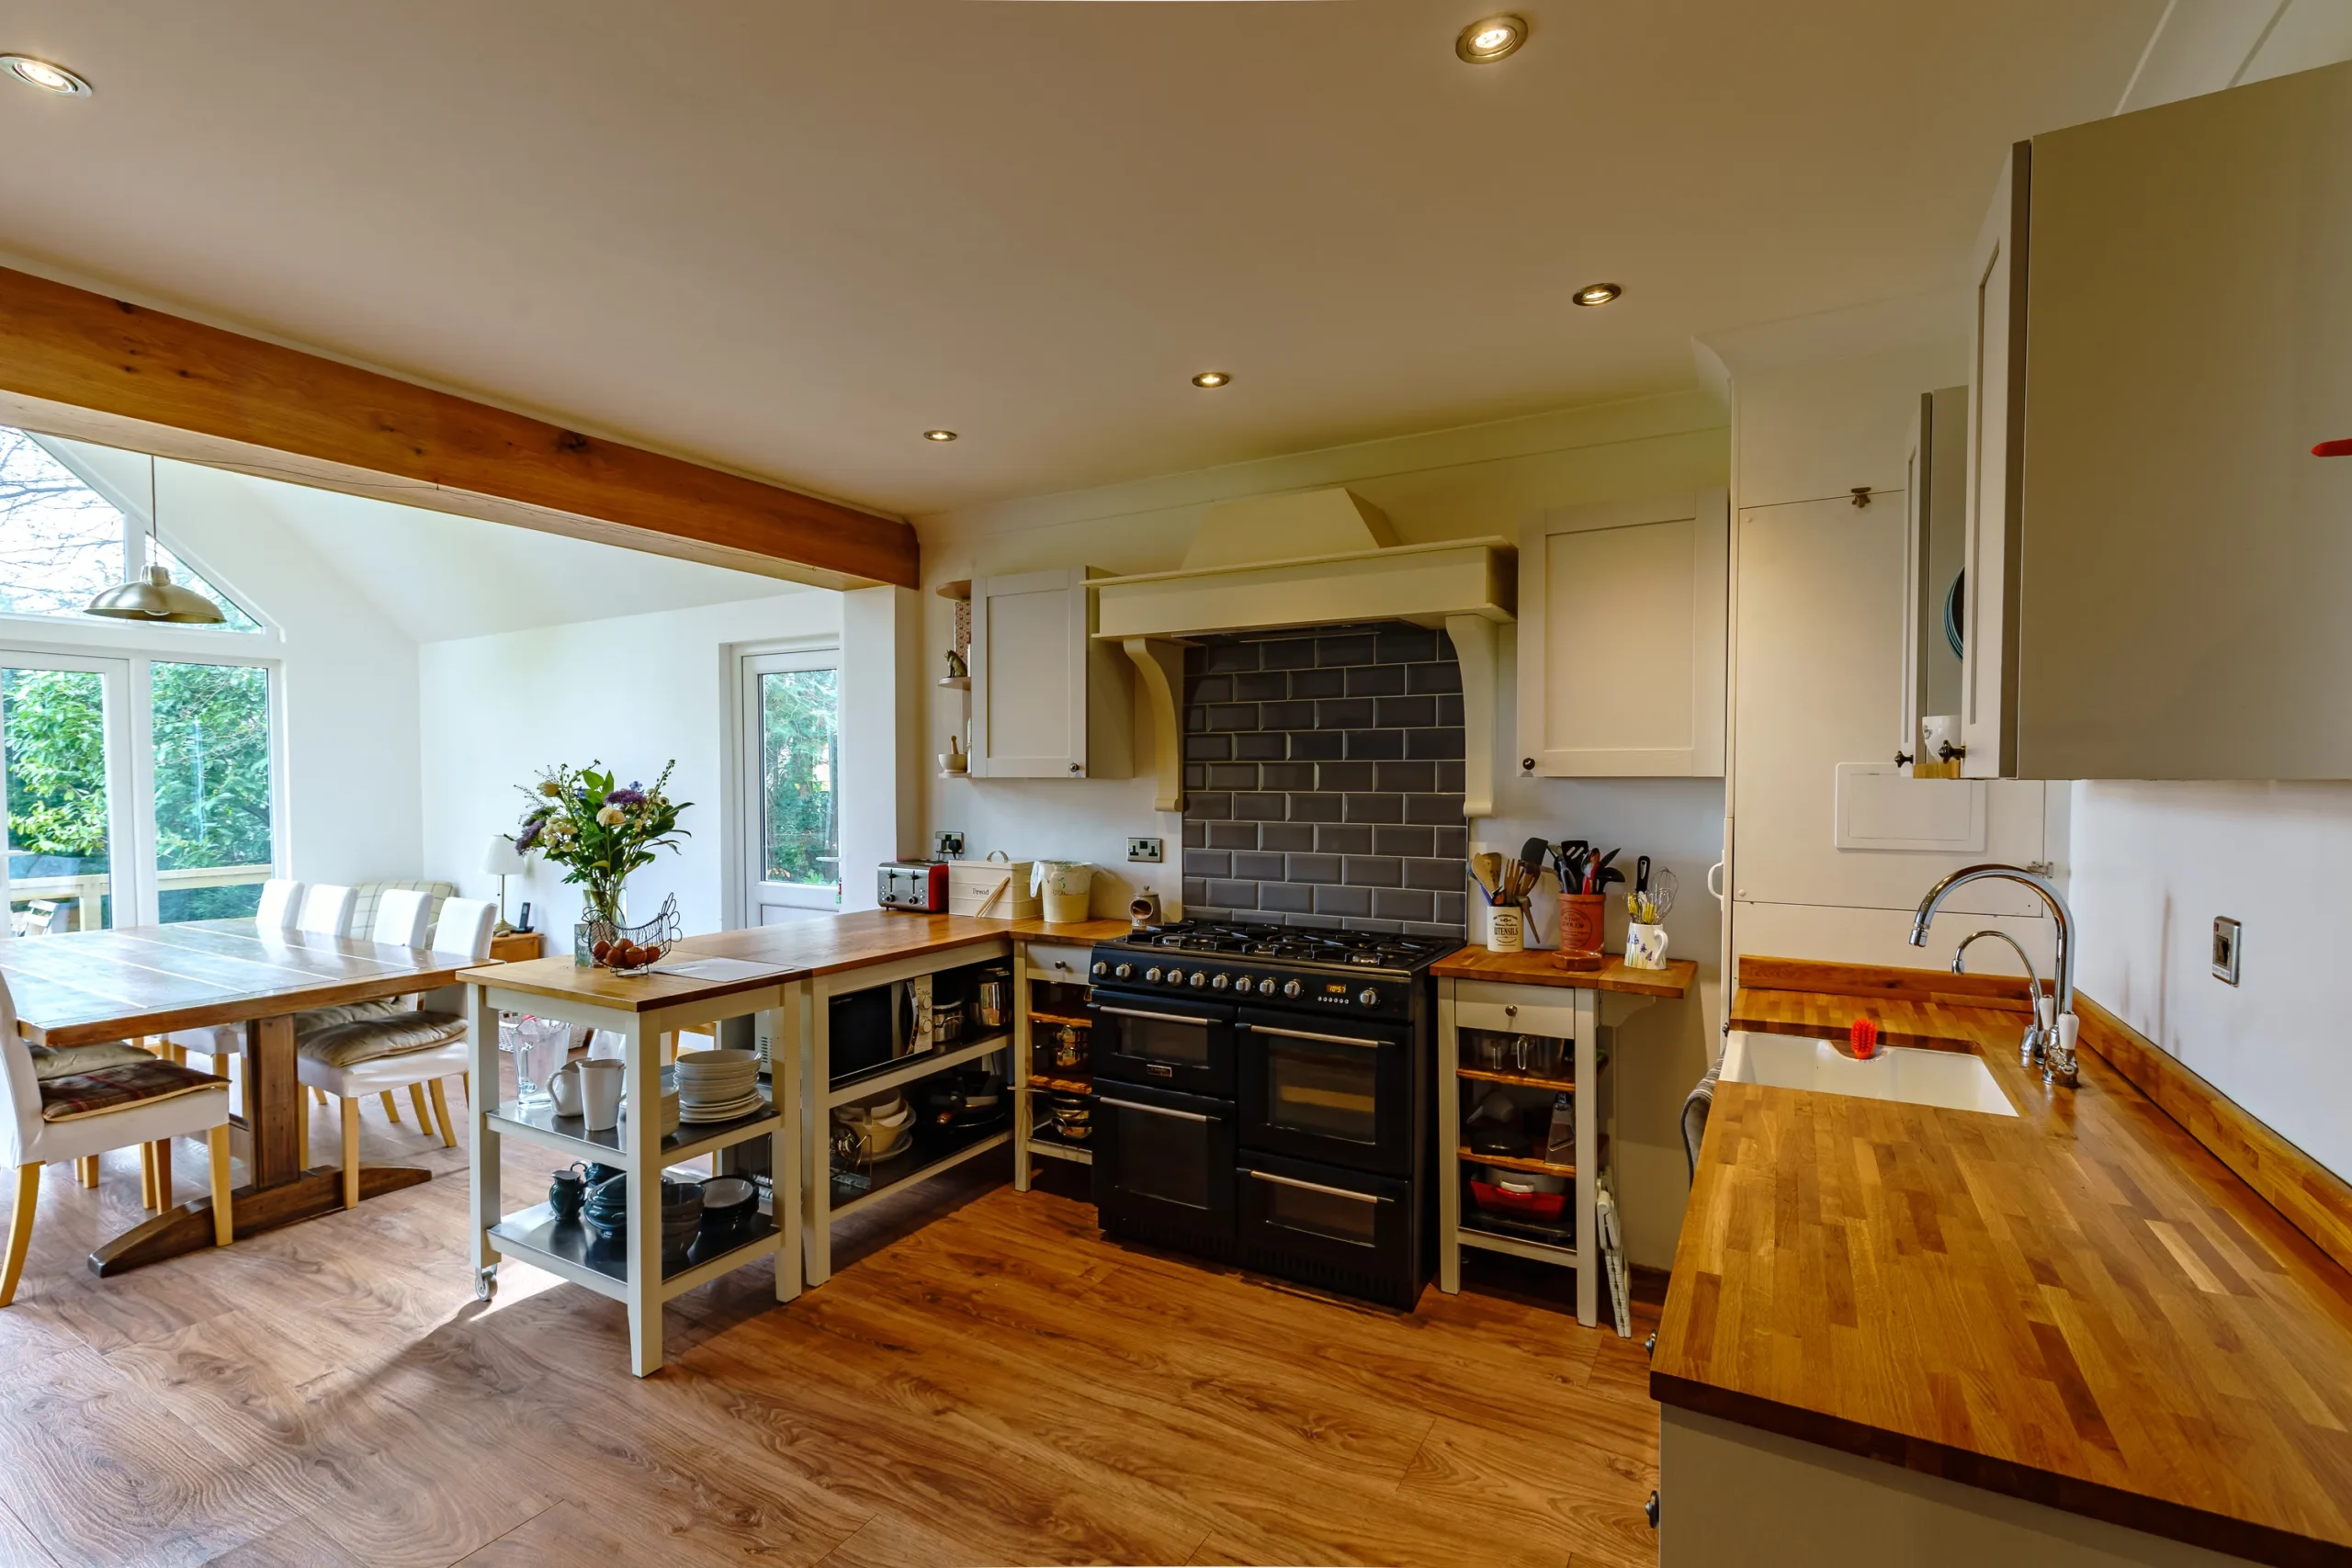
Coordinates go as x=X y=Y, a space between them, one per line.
x=1599 y=293
x=44 y=74
x=1482 y=44
x=939 y=436
x=1212 y=378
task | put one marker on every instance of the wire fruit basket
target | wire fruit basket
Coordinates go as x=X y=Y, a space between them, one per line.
x=633 y=950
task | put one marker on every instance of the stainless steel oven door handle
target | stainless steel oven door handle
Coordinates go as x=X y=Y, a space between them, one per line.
x=1149 y=1110
x=1163 y=1017
x=1316 y=1187
x=1326 y=1039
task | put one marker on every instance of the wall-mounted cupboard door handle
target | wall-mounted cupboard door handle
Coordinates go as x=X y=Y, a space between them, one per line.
x=1316 y=1187
x=1149 y=1110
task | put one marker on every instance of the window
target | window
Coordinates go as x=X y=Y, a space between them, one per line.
x=63 y=543
x=209 y=735
x=792 y=756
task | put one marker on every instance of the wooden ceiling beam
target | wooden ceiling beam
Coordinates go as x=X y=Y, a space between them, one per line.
x=80 y=365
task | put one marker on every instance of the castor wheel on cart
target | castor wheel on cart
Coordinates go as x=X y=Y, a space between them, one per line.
x=486 y=1282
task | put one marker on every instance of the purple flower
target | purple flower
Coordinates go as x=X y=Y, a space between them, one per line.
x=626 y=797
x=530 y=835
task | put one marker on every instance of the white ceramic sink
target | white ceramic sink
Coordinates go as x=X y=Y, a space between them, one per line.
x=1950 y=1081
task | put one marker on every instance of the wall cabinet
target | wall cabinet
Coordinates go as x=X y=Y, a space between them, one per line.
x=1048 y=702
x=1623 y=613
x=2157 y=560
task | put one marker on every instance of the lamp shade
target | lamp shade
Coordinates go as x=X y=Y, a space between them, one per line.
x=156 y=597
x=501 y=858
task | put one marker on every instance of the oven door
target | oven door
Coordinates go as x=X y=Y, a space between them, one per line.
x=1341 y=1230
x=1163 y=1167
x=1335 y=1091
x=1162 y=1041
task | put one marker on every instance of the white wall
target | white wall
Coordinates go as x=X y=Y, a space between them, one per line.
x=350 y=674
x=635 y=691
x=1485 y=480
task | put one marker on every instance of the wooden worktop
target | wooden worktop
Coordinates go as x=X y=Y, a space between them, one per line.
x=2079 y=1306
x=798 y=950
x=1539 y=969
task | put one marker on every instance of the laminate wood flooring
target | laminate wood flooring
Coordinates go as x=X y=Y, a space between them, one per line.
x=997 y=1385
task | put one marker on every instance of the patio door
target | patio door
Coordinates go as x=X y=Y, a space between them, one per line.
x=74 y=855
x=790 y=747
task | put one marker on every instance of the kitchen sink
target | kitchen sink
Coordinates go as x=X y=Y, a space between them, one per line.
x=1950 y=1081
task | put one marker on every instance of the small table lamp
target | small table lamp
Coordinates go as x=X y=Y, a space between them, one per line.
x=502 y=860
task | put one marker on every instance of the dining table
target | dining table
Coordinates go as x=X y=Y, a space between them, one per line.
x=141 y=982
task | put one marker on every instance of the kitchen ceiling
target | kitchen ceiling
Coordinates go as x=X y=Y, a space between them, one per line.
x=790 y=238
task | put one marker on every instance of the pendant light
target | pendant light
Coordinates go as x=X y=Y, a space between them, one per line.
x=152 y=595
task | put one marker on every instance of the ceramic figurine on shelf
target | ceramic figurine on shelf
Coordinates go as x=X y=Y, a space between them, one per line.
x=957 y=668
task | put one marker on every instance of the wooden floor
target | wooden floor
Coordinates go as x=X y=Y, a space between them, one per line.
x=999 y=1386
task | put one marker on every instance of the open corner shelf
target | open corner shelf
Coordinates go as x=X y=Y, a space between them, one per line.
x=957 y=682
x=1071 y=1020
x=1059 y=1085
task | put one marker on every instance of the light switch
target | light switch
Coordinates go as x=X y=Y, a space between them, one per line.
x=2227 y=939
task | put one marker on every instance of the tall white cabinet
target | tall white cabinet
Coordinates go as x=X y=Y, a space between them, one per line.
x=1048 y=702
x=1621 y=610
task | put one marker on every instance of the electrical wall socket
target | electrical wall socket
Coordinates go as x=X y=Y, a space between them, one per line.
x=947 y=845
x=2228 y=942
x=1145 y=850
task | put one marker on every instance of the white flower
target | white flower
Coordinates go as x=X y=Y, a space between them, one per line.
x=610 y=815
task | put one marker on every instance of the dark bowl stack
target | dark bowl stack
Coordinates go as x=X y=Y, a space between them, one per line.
x=731 y=1208
x=680 y=1220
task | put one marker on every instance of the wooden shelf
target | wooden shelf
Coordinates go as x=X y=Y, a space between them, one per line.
x=1518 y=1162
x=1516 y=1081
x=959 y=589
x=1061 y=1085
x=957 y=682
x=1036 y=1017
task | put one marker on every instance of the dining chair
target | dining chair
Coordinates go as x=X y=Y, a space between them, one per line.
x=80 y=1115
x=418 y=1047
x=326 y=910
x=281 y=905
x=401 y=918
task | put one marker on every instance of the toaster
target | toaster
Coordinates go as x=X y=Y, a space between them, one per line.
x=917 y=884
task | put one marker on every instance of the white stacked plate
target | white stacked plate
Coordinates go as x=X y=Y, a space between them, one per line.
x=718 y=1086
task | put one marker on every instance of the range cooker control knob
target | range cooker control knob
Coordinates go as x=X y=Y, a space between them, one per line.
x=1175 y=977
x=1100 y=967
x=1291 y=989
x=1200 y=978
x=1123 y=971
x=1368 y=997
x=1218 y=982
x=1152 y=976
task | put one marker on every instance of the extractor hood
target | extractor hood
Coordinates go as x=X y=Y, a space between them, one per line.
x=1310 y=558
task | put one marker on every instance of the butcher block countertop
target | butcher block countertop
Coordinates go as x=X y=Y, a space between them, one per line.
x=1539 y=969
x=2080 y=1306
x=801 y=950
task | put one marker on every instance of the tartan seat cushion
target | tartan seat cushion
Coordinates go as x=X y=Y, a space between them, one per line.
x=367 y=895
x=101 y=1090
x=61 y=1061
x=369 y=1039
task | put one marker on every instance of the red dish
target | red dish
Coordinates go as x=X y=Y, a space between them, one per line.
x=1530 y=1205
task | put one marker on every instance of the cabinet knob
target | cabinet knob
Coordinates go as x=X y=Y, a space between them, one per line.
x=1649 y=1509
x=1903 y=759
x=1527 y=764
x=1948 y=751
x=1078 y=767
x=1510 y=1011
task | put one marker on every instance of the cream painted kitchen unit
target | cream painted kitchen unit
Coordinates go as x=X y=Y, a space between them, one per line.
x=2163 y=337
x=1622 y=615
x=1049 y=701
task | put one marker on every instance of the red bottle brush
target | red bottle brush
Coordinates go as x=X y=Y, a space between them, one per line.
x=1863 y=1037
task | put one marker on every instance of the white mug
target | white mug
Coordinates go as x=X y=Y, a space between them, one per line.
x=1644 y=947
x=599 y=1094
x=1506 y=930
x=563 y=1087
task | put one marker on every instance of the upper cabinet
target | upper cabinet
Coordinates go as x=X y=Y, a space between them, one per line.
x=2157 y=557
x=1935 y=506
x=1621 y=618
x=1048 y=702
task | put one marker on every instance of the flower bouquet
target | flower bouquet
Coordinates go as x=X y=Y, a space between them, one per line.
x=582 y=820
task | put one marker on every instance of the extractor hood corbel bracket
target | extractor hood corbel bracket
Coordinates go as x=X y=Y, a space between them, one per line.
x=1474 y=648
x=1159 y=663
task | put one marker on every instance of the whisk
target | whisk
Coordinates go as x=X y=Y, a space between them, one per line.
x=1651 y=906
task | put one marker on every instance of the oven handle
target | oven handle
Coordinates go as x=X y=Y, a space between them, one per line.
x=1316 y=1187
x=1149 y=1110
x=1163 y=1017
x=1327 y=1039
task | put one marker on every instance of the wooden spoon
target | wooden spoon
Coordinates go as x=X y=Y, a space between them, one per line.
x=1488 y=867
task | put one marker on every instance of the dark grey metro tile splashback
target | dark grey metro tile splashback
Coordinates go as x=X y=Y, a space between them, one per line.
x=1323 y=780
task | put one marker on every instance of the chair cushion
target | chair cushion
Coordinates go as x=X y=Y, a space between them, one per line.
x=317 y=1018
x=367 y=895
x=364 y=1040
x=61 y=1061
x=102 y=1089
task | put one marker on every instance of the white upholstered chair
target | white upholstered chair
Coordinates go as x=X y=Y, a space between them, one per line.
x=281 y=905
x=37 y=1126
x=379 y=1054
x=326 y=910
x=402 y=916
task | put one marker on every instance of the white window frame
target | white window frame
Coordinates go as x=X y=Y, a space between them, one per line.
x=744 y=835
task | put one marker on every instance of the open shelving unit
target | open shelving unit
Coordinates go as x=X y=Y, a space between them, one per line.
x=1033 y=1136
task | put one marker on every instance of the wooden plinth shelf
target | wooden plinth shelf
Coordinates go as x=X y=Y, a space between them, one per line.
x=1061 y=1085
x=1035 y=1016
x=1519 y=1162
x=1518 y=1080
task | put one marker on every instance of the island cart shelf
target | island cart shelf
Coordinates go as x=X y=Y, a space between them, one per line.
x=640 y=1010
x=1052 y=996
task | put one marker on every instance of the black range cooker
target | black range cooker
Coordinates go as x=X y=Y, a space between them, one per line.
x=1263 y=1095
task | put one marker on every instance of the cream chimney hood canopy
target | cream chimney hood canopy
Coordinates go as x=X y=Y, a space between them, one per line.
x=1312 y=558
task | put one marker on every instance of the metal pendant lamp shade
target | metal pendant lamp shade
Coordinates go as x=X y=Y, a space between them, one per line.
x=154 y=596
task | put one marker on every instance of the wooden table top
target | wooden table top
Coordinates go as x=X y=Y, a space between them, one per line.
x=2080 y=1306
x=1539 y=968
x=79 y=987
x=799 y=950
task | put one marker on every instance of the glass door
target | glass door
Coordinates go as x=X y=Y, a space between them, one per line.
x=209 y=752
x=66 y=725
x=791 y=751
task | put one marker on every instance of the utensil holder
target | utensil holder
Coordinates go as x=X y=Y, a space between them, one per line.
x=1506 y=930
x=1583 y=922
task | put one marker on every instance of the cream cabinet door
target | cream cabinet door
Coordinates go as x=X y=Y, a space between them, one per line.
x=1988 y=659
x=1047 y=701
x=1622 y=625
